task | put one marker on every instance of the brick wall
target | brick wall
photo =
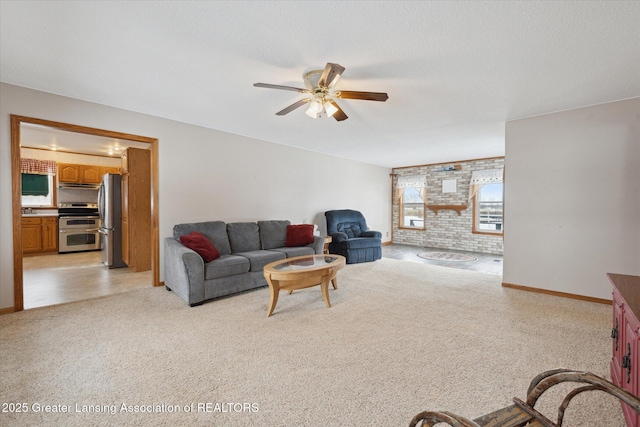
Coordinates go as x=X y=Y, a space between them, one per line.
x=447 y=229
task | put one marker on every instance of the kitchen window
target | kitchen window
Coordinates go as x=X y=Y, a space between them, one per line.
x=40 y=197
x=38 y=183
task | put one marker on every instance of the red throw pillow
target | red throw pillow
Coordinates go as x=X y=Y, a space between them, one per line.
x=299 y=235
x=199 y=243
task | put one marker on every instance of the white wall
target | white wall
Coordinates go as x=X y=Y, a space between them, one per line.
x=572 y=195
x=206 y=174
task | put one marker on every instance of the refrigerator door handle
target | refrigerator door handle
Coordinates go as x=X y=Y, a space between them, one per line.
x=101 y=199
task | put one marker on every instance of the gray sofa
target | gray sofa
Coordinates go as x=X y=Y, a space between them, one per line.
x=245 y=248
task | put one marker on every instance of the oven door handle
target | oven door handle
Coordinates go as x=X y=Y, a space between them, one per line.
x=79 y=230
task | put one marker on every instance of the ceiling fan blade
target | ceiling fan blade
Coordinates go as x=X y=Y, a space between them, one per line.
x=270 y=86
x=367 y=96
x=292 y=107
x=330 y=75
x=338 y=115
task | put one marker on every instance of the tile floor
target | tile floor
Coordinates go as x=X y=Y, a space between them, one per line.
x=56 y=279
x=486 y=263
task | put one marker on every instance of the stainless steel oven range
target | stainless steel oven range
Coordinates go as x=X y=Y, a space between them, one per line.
x=78 y=225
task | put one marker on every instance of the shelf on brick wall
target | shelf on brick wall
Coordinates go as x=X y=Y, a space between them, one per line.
x=457 y=208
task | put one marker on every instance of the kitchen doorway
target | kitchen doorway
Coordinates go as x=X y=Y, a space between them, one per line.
x=17 y=125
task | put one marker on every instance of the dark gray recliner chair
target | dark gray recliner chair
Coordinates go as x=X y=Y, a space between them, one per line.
x=351 y=237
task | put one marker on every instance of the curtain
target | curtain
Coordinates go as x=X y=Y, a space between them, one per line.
x=38 y=167
x=414 y=181
x=35 y=185
x=480 y=178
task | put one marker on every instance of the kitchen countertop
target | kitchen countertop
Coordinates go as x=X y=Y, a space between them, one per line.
x=38 y=215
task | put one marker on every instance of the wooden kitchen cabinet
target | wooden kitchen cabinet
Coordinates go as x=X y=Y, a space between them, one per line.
x=31 y=235
x=108 y=169
x=625 y=335
x=125 y=219
x=39 y=234
x=50 y=234
x=90 y=174
x=136 y=209
x=68 y=173
x=79 y=174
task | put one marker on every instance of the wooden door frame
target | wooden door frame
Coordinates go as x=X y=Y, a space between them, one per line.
x=16 y=121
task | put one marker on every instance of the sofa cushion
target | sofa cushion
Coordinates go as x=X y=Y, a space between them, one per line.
x=243 y=236
x=299 y=235
x=198 y=242
x=258 y=259
x=273 y=234
x=297 y=251
x=215 y=231
x=351 y=229
x=226 y=265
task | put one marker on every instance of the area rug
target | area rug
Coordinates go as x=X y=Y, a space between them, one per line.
x=400 y=338
x=447 y=256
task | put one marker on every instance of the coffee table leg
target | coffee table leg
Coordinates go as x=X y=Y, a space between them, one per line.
x=324 y=285
x=274 y=291
x=334 y=279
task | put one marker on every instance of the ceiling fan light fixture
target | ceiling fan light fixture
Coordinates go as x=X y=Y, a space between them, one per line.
x=316 y=106
x=330 y=109
x=312 y=113
x=322 y=95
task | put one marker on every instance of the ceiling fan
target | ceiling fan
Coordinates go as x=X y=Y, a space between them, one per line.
x=322 y=95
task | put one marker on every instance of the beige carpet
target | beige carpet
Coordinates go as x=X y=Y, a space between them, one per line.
x=400 y=338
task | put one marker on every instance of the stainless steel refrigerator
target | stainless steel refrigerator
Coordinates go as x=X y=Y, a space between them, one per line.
x=110 y=210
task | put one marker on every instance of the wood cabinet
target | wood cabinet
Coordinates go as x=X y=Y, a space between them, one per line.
x=50 y=234
x=125 y=220
x=625 y=335
x=109 y=169
x=83 y=174
x=39 y=234
x=90 y=174
x=31 y=235
x=136 y=209
x=68 y=173
x=79 y=174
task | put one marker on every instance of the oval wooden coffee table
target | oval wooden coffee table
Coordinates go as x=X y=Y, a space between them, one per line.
x=302 y=272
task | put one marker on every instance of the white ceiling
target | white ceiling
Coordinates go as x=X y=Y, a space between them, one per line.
x=454 y=71
x=47 y=138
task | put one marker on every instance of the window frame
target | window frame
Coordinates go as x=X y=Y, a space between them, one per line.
x=476 y=215
x=401 y=224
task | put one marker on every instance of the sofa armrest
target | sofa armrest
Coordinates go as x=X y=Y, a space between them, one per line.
x=183 y=271
x=318 y=244
x=370 y=233
x=338 y=237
